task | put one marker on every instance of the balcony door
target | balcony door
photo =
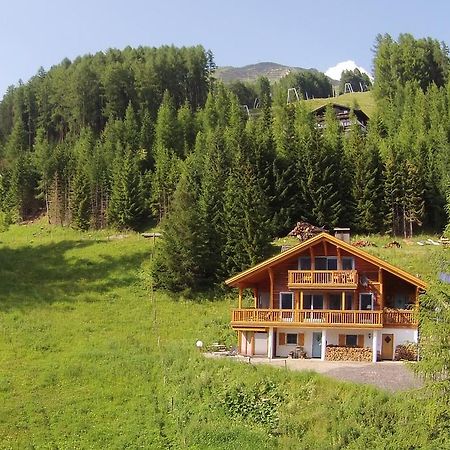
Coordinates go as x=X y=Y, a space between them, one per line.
x=325 y=263
x=366 y=301
x=313 y=301
x=286 y=300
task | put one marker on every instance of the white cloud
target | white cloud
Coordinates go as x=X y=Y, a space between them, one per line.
x=336 y=71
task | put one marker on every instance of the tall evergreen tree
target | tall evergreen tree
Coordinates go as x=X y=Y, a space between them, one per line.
x=126 y=203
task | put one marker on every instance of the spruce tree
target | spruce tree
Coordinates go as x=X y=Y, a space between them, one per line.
x=246 y=220
x=126 y=204
x=178 y=263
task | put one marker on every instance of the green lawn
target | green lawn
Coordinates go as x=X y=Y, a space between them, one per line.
x=89 y=358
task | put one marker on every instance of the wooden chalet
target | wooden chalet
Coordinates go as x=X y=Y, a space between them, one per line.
x=343 y=115
x=325 y=296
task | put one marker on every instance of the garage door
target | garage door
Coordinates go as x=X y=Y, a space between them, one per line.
x=261 y=344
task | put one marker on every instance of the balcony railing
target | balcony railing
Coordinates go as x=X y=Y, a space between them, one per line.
x=308 y=318
x=324 y=317
x=323 y=278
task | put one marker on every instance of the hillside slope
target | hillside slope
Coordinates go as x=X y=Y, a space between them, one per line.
x=89 y=358
x=252 y=72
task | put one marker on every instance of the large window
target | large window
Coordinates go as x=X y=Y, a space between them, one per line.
x=287 y=300
x=365 y=301
x=313 y=301
x=326 y=263
x=348 y=263
x=334 y=301
x=304 y=263
x=348 y=301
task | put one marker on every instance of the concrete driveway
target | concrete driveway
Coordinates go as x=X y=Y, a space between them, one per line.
x=389 y=375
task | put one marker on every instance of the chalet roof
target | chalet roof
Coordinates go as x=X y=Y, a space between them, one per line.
x=277 y=259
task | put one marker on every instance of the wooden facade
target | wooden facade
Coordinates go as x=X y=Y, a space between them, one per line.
x=325 y=283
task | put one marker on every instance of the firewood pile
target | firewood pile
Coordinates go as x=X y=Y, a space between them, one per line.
x=406 y=352
x=393 y=244
x=304 y=231
x=337 y=353
x=363 y=243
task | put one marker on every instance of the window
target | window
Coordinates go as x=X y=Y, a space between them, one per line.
x=351 y=340
x=334 y=301
x=348 y=263
x=311 y=301
x=325 y=263
x=291 y=338
x=332 y=263
x=320 y=263
x=304 y=263
x=348 y=301
x=365 y=301
x=287 y=300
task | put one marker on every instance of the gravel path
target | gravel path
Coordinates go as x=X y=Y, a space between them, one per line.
x=388 y=375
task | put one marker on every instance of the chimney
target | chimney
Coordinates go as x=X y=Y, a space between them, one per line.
x=343 y=234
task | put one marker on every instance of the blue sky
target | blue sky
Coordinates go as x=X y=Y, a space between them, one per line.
x=315 y=33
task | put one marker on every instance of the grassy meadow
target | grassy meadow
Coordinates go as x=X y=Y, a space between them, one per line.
x=90 y=358
x=364 y=100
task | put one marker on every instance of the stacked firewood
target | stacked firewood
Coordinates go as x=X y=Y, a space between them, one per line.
x=336 y=353
x=406 y=352
x=363 y=243
x=304 y=231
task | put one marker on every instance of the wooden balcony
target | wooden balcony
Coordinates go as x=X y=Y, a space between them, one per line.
x=318 y=279
x=307 y=318
x=324 y=318
x=400 y=317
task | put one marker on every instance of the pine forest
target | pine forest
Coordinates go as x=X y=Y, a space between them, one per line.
x=127 y=137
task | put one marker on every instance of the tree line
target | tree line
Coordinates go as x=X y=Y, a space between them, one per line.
x=119 y=138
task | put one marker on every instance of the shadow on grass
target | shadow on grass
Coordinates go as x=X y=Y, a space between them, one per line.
x=45 y=274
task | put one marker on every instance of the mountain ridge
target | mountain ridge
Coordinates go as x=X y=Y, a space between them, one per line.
x=251 y=72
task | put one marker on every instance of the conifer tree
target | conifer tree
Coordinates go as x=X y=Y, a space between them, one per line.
x=80 y=201
x=178 y=263
x=126 y=203
x=246 y=219
x=214 y=174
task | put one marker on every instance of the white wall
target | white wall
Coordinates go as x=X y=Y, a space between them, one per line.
x=283 y=350
x=400 y=337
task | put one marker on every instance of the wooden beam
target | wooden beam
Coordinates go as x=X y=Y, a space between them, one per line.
x=311 y=255
x=271 y=287
x=343 y=300
x=380 y=279
x=301 y=299
x=325 y=250
x=240 y=297
x=339 y=259
x=255 y=296
x=297 y=299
